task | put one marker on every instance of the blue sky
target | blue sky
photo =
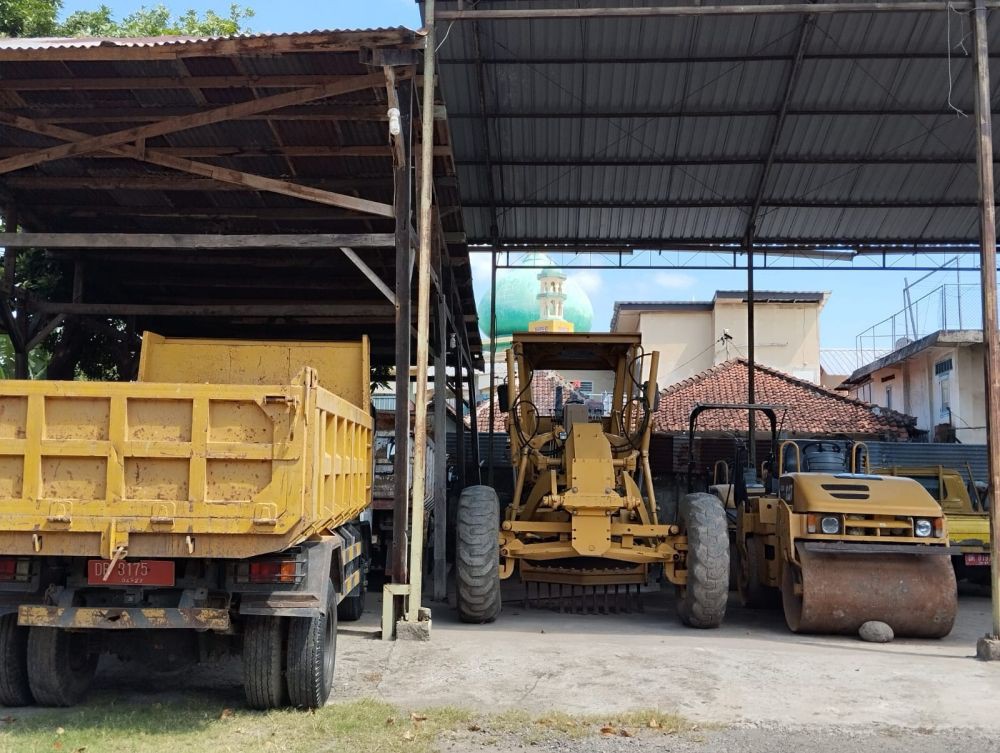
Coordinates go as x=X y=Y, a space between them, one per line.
x=858 y=300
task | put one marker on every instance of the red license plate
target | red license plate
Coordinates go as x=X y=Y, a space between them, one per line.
x=977 y=560
x=130 y=573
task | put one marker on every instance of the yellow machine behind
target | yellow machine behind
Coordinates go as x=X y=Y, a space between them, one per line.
x=583 y=524
x=967 y=514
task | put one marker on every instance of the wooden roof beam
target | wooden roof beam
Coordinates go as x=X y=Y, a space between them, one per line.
x=86 y=144
x=223 y=174
x=202 y=242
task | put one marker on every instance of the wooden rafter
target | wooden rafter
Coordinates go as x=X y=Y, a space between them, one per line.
x=212 y=241
x=86 y=144
x=223 y=174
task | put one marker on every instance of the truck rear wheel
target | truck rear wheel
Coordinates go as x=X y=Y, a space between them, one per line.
x=14 y=688
x=703 y=603
x=264 y=661
x=477 y=555
x=312 y=653
x=61 y=666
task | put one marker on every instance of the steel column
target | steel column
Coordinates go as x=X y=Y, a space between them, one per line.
x=988 y=243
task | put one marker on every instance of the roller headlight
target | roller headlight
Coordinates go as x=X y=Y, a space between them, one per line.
x=923 y=528
x=830 y=525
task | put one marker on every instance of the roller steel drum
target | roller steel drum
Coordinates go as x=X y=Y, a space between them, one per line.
x=915 y=594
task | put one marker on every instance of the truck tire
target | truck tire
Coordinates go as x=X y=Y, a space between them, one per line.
x=312 y=654
x=703 y=602
x=264 y=662
x=61 y=666
x=14 y=688
x=352 y=606
x=477 y=556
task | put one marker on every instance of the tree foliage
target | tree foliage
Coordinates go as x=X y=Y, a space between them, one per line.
x=39 y=18
x=154 y=21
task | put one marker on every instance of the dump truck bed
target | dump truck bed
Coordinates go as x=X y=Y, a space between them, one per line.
x=178 y=469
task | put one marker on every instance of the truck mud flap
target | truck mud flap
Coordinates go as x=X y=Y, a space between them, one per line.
x=118 y=618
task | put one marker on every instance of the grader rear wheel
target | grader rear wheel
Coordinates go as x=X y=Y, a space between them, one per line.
x=477 y=556
x=703 y=603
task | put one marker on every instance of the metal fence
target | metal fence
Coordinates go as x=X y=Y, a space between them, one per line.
x=950 y=306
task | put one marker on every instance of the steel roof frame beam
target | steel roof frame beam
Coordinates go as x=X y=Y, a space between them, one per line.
x=897 y=6
x=680 y=114
x=724 y=161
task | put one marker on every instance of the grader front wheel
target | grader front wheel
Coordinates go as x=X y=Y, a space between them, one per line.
x=703 y=603
x=477 y=556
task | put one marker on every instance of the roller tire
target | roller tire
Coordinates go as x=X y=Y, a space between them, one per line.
x=264 y=662
x=703 y=601
x=14 y=688
x=477 y=558
x=753 y=593
x=60 y=666
x=311 y=658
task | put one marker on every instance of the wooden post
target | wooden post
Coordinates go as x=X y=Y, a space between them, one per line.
x=440 y=592
x=404 y=255
x=988 y=270
x=424 y=227
x=16 y=324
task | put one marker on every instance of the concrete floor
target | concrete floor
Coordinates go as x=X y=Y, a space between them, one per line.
x=752 y=671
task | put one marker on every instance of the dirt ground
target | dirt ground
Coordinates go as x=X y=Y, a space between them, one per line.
x=750 y=685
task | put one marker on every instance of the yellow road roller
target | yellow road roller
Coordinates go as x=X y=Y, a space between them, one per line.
x=583 y=527
x=841 y=546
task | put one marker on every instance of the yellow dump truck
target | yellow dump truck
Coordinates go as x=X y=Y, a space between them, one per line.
x=967 y=514
x=213 y=506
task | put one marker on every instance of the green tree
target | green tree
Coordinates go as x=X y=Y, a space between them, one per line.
x=28 y=18
x=154 y=21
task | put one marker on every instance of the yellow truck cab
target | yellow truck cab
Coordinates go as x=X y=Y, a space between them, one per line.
x=967 y=513
x=212 y=506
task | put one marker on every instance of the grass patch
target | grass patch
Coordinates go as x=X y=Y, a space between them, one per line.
x=200 y=722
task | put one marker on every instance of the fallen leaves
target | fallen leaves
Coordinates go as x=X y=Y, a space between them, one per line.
x=415 y=717
x=654 y=723
x=227 y=714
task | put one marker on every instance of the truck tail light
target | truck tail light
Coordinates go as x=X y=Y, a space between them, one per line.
x=270 y=571
x=15 y=569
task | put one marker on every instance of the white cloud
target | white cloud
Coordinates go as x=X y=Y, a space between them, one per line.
x=674 y=280
x=481 y=267
x=590 y=281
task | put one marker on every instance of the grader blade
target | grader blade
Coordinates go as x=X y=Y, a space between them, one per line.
x=583 y=599
x=915 y=594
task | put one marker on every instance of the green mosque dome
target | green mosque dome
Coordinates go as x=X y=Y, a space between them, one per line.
x=517 y=299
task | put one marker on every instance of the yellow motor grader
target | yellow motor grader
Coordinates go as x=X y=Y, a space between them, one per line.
x=840 y=546
x=583 y=523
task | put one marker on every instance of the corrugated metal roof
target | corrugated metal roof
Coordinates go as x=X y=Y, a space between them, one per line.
x=653 y=132
x=77 y=43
